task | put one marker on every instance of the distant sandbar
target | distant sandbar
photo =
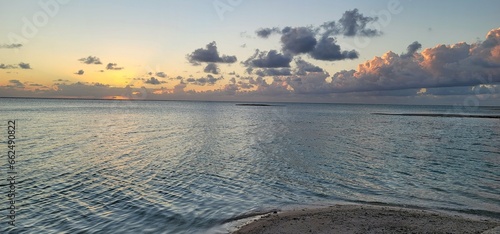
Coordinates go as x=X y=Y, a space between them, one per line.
x=443 y=115
x=254 y=104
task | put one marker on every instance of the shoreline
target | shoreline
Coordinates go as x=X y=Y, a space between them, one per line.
x=365 y=219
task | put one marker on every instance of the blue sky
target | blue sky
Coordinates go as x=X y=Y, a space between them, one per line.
x=144 y=49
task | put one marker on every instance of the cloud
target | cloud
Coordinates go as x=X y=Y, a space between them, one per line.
x=15 y=84
x=304 y=67
x=274 y=72
x=271 y=59
x=412 y=48
x=24 y=66
x=112 y=66
x=80 y=72
x=161 y=74
x=209 y=55
x=153 y=81
x=8 y=66
x=209 y=80
x=10 y=46
x=310 y=83
x=266 y=32
x=21 y=65
x=90 y=60
x=212 y=68
x=328 y=50
x=354 y=23
x=320 y=42
x=179 y=88
x=298 y=40
x=454 y=65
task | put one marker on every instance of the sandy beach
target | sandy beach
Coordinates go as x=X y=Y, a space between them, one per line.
x=367 y=219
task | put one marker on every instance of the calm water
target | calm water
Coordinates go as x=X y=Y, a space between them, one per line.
x=186 y=167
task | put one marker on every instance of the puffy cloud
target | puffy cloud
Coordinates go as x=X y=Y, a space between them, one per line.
x=412 y=49
x=327 y=49
x=271 y=59
x=209 y=55
x=80 y=72
x=310 y=83
x=179 y=88
x=24 y=66
x=153 y=81
x=212 y=68
x=10 y=46
x=455 y=65
x=90 y=60
x=161 y=74
x=266 y=32
x=298 y=40
x=320 y=42
x=304 y=67
x=232 y=87
x=354 y=23
x=113 y=66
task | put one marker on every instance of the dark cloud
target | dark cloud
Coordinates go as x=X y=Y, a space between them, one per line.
x=24 y=66
x=152 y=81
x=304 y=67
x=113 y=66
x=354 y=23
x=274 y=72
x=298 y=40
x=209 y=80
x=79 y=72
x=328 y=50
x=90 y=60
x=8 y=66
x=10 y=46
x=271 y=59
x=161 y=74
x=266 y=32
x=320 y=42
x=212 y=68
x=15 y=84
x=18 y=66
x=209 y=55
x=412 y=49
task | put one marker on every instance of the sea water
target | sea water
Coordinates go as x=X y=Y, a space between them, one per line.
x=98 y=166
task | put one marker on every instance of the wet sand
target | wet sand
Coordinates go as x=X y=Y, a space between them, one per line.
x=366 y=219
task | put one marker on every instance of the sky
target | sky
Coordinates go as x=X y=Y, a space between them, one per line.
x=386 y=51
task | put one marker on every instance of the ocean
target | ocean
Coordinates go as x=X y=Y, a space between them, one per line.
x=97 y=166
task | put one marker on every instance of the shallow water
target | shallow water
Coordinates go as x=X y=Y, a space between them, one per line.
x=185 y=167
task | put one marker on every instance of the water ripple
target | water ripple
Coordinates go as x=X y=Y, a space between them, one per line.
x=183 y=167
